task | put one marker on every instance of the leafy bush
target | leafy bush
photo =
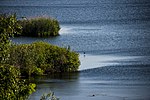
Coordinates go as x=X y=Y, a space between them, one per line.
x=46 y=57
x=11 y=85
x=8 y=27
x=40 y=27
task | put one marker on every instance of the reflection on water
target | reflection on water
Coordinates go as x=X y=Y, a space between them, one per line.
x=60 y=83
x=111 y=82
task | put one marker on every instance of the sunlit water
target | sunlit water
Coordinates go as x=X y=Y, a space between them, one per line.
x=115 y=36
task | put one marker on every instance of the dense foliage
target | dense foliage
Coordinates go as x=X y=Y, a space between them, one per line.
x=41 y=57
x=30 y=59
x=40 y=27
x=8 y=27
x=12 y=87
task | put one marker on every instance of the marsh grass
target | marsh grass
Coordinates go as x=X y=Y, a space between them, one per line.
x=40 y=27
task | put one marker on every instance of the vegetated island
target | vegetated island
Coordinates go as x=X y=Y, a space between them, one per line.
x=39 y=27
x=37 y=58
x=43 y=58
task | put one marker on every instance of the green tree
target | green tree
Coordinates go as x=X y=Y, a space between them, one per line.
x=8 y=27
x=12 y=87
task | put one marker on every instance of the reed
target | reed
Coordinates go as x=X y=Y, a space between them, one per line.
x=40 y=27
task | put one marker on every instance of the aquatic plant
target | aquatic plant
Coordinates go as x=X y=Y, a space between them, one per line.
x=40 y=27
x=49 y=96
x=42 y=57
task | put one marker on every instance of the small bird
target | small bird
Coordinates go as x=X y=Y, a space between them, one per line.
x=93 y=95
x=84 y=54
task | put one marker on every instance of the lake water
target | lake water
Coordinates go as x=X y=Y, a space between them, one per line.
x=115 y=36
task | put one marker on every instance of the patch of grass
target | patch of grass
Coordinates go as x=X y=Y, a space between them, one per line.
x=40 y=27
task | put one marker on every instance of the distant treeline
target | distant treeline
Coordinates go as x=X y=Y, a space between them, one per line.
x=39 y=27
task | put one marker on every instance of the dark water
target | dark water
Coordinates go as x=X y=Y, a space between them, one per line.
x=105 y=83
x=114 y=34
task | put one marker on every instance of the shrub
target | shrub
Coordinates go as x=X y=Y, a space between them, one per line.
x=43 y=56
x=40 y=27
x=12 y=87
x=8 y=27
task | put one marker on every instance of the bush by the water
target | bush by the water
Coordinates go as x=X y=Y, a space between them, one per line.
x=35 y=58
x=41 y=57
x=8 y=28
x=12 y=87
x=40 y=27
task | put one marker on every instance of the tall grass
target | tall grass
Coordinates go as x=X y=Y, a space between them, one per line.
x=40 y=27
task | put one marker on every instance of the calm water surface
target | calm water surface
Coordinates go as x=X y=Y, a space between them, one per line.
x=115 y=36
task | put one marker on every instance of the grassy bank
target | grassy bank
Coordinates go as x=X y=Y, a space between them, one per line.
x=40 y=27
